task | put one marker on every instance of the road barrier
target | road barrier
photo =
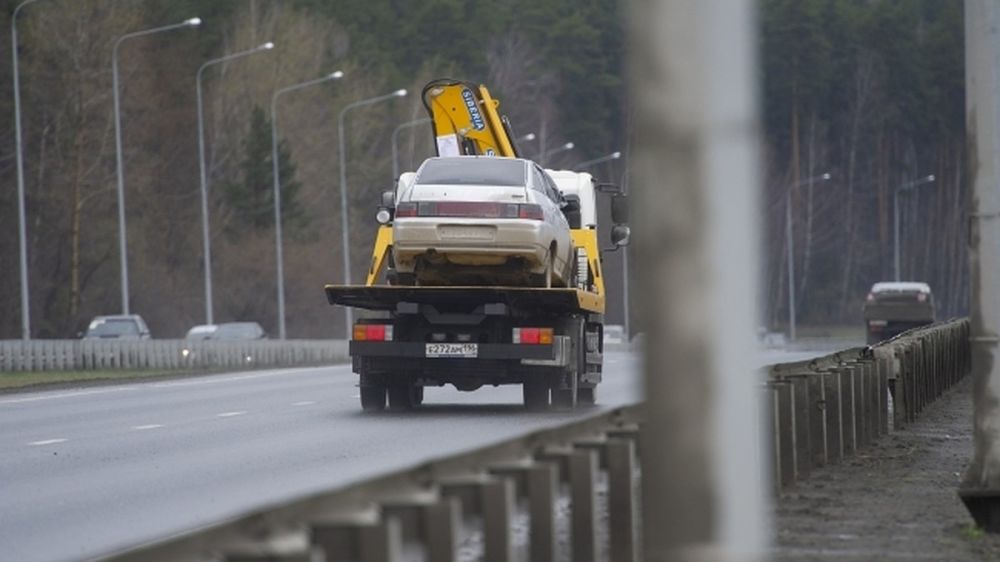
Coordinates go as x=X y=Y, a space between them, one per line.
x=817 y=412
x=427 y=508
x=87 y=355
x=820 y=411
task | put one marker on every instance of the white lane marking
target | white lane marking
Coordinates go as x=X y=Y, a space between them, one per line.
x=229 y=414
x=147 y=426
x=304 y=403
x=66 y=395
x=216 y=380
x=47 y=442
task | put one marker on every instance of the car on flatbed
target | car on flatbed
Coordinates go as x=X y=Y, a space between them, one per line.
x=477 y=220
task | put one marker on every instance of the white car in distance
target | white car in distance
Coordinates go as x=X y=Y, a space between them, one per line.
x=479 y=220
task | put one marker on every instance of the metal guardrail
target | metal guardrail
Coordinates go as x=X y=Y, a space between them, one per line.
x=427 y=508
x=86 y=355
x=823 y=410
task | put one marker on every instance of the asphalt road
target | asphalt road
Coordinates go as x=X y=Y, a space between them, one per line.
x=90 y=471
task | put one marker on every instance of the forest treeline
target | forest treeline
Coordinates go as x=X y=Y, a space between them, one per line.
x=869 y=91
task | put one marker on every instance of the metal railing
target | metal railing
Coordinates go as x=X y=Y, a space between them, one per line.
x=87 y=355
x=427 y=508
x=818 y=412
x=823 y=410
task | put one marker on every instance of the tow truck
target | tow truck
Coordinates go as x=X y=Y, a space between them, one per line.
x=548 y=340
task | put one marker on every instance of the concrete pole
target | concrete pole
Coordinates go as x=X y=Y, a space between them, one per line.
x=693 y=69
x=789 y=241
x=982 y=72
x=22 y=221
x=895 y=234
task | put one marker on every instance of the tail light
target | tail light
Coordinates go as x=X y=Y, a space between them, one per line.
x=533 y=336
x=921 y=297
x=470 y=209
x=373 y=332
x=406 y=210
x=869 y=298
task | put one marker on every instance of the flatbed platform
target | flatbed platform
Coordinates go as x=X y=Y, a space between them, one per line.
x=387 y=297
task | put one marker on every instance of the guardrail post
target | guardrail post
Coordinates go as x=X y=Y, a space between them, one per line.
x=620 y=454
x=582 y=481
x=493 y=499
x=359 y=539
x=834 y=417
x=539 y=483
x=442 y=523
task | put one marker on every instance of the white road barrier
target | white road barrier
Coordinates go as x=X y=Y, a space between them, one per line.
x=86 y=355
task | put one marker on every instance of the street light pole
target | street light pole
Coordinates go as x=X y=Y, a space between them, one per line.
x=21 y=218
x=345 y=230
x=279 y=259
x=119 y=166
x=906 y=187
x=789 y=241
x=206 y=245
x=613 y=156
x=395 y=138
x=544 y=156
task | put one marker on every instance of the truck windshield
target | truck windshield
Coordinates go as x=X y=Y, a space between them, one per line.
x=472 y=171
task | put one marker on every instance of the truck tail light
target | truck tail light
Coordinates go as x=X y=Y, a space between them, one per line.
x=876 y=325
x=373 y=332
x=534 y=336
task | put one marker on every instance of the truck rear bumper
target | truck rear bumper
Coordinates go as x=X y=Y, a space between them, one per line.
x=554 y=355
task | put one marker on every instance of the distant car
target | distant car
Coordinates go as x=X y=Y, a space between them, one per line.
x=238 y=331
x=478 y=220
x=892 y=308
x=117 y=327
x=227 y=331
x=201 y=332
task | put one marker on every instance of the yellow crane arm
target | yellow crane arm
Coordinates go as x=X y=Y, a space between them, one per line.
x=466 y=120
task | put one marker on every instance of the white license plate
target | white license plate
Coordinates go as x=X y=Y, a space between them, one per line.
x=452 y=232
x=452 y=350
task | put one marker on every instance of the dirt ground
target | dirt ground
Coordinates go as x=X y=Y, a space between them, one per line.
x=897 y=500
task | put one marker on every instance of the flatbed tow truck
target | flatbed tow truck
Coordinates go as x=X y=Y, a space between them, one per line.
x=549 y=340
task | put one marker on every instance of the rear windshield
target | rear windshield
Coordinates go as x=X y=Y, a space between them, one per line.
x=472 y=171
x=113 y=328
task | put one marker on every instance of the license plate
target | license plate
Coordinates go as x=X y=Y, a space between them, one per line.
x=452 y=350
x=467 y=232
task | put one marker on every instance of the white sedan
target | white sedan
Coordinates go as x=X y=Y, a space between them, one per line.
x=479 y=220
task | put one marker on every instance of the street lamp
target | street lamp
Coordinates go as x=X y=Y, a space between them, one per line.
x=346 y=249
x=21 y=218
x=906 y=187
x=122 y=245
x=279 y=259
x=206 y=246
x=395 y=138
x=613 y=156
x=544 y=156
x=788 y=244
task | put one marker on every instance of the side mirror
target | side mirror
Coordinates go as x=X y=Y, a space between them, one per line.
x=620 y=235
x=386 y=209
x=619 y=208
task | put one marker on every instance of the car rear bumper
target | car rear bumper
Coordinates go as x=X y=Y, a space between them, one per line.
x=468 y=242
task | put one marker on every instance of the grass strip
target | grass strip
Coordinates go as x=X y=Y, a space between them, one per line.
x=35 y=379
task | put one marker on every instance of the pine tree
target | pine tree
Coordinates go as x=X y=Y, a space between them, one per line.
x=252 y=197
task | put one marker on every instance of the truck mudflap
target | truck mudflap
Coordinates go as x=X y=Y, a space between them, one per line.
x=555 y=355
x=387 y=297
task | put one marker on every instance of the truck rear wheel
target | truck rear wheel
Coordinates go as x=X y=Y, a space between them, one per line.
x=587 y=395
x=373 y=398
x=536 y=395
x=403 y=395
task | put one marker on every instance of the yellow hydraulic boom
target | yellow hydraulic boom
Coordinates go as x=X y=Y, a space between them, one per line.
x=466 y=120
